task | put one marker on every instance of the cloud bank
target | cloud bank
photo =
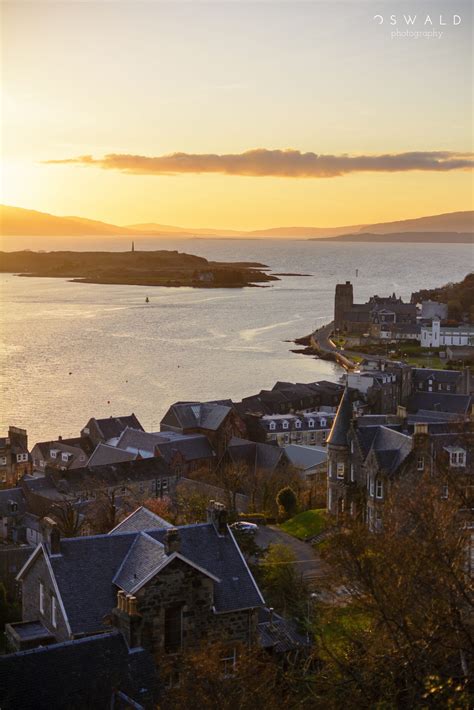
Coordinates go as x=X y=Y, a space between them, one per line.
x=261 y=162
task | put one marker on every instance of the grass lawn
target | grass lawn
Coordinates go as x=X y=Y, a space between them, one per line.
x=306 y=524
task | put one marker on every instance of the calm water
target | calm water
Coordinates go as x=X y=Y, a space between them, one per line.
x=71 y=351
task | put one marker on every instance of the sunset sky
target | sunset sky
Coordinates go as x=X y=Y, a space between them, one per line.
x=379 y=128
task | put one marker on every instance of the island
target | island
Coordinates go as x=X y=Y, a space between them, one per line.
x=137 y=268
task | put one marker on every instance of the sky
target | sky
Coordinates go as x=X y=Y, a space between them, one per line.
x=236 y=114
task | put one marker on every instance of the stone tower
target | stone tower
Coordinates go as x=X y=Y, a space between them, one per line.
x=343 y=301
x=339 y=460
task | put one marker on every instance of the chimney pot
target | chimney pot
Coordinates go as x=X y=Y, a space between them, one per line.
x=121 y=600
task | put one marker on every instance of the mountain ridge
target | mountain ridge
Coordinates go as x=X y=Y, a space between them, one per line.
x=17 y=221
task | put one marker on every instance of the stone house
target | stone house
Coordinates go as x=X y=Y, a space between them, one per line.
x=62 y=454
x=308 y=428
x=108 y=430
x=366 y=457
x=359 y=318
x=166 y=589
x=219 y=423
x=450 y=381
x=15 y=460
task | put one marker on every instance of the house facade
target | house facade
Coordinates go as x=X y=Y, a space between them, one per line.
x=15 y=460
x=435 y=335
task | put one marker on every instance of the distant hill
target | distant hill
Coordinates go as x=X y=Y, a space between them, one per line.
x=404 y=237
x=16 y=221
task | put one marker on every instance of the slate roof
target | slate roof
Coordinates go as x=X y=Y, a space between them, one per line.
x=11 y=495
x=145 y=555
x=140 y=519
x=104 y=454
x=121 y=473
x=279 y=634
x=135 y=440
x=421 y=374
x=258 y=456
x=112 y=427
x=391 y=448
x=76 y=674
x=305 y=457
x=87 y=566
x=342 y=421
x=194 y=447
x=77 y=455
x=191 y=415
x=440 y=402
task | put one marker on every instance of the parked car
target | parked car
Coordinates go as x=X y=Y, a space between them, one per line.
x=244 y=527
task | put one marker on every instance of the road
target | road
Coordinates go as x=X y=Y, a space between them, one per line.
x=308 y=562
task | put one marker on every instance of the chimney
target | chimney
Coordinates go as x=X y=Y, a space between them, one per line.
x=172 y=541
x=127 y=619
x=217 y=515
x=51 y=535
x=401 y=412
x=420 y=428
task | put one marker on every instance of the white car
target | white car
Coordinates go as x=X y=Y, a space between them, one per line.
x=243 y=526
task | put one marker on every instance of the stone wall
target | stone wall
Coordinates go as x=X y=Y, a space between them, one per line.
x=36 y=574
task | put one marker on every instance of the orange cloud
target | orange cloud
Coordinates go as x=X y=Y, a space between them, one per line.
x=261 y=162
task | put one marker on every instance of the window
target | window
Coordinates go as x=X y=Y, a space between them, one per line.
x=287 y=438
x=22 y=457
x=3 y=460
x=324 y=436
x=298 y=424
x=165 y=483
x=444 y=491
x=352 y=472
x=65 y=457
x=272 y=426
x=330 y=469
x=352 y=446
x=285 y=424
x=311 y=423
x=372 y=486
x=173 y=628
x=420 y=463
x=322 y=422
x=53 y=453
x=228 y=663
x=379 y=488
x=340 y=470
x=54 y=619
x=457 y=458
x=41 y=598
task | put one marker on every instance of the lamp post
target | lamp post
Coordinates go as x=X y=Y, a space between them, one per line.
x=311 y=598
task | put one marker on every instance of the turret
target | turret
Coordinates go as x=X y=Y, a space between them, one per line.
x=343 y=301
x=339 y=458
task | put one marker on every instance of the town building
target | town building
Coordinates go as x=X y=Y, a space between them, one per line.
x=436 y=335
x=366 y=456
x=370 y=317
x=108 y=430
x=62 y=454
x=431 y=380
x=218 y=422
x=15 y=460
x=308 y=428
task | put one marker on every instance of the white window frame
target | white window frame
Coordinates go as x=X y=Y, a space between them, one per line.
x=3 y=460
x=372 y=486
x=340 y=470
x=53 y=453
x=378 y=488
x=272 y=426
x=298 y=424
x=41 y=597
x=65 y=456
x=352 y=473
x=285 y=424
x=54 y=612
x=311 y=423
x=229 y=662
x=420 y=463
x=445 y=491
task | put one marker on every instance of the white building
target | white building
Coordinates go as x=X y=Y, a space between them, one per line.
x=436 y=336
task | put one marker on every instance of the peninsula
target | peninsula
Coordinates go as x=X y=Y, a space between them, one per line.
x=146 y=268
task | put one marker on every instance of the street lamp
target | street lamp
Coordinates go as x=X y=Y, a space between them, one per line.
x=311 y=598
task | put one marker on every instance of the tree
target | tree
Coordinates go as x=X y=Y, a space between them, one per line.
x=281 y=582
x=287 y=501
x=161 y=507
x=213 y=677
x=406 y=635
x=68 y=518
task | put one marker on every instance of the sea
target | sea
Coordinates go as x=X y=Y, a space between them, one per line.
x=72 y=351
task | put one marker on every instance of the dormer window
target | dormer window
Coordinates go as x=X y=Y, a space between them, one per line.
x=457 y=458
x=285 y=424
x=53 y=453
x=298 y=424
x=272 y=426
x=311 y=423
x=322 y=422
